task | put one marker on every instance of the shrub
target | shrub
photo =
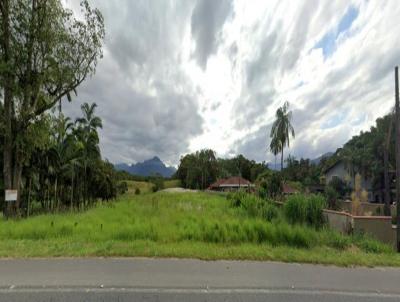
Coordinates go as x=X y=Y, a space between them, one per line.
x=270 y=184
x=236 y=198
x=332 y=197
x=137 y=191
x=305 y=209
x=253 y=205
x=339 y=186
x=122 y=187
x=315 y=205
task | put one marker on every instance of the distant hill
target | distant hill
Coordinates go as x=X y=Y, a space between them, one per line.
x=147 y=168
x=317 y=160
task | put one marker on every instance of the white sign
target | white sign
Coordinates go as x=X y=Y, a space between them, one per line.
x=11 y=195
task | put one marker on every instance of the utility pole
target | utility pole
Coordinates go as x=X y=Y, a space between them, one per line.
x=396 y=85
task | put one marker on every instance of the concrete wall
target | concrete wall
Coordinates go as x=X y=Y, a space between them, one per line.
x=378 y=227
x=367 y=208
x=339 y=221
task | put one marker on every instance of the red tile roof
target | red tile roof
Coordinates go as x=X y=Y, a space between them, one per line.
x=288 y=189
x=231 y=182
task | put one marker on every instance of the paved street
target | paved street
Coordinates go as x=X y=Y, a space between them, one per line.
x=191 y=280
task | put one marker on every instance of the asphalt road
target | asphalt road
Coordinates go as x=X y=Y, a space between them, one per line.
x=191 y=280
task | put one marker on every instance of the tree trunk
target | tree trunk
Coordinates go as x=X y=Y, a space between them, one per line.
x=396 y=72
x=72 y=191
x=282 y=160
x=387 y=183
x=7 y=151
x=29 y=196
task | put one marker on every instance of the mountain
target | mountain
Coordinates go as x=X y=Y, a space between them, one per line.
x=317 y=160
x=147 y=168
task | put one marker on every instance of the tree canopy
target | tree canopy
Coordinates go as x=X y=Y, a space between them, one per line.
x=281 y=131
x=45 y=54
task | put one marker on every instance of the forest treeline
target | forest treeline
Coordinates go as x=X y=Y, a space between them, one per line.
x=363 y=153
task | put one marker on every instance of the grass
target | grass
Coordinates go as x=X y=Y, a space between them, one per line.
x=143 y=186
x=172 y=183
x=198 y=225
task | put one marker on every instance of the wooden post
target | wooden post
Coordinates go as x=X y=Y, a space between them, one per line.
x=396 y=78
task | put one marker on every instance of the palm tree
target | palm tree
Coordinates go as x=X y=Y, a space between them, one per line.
x=87 y=134
x=275 y=147
x=281 y=130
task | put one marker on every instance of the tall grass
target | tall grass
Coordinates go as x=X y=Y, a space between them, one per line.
x=305 y=209
x=174 y=218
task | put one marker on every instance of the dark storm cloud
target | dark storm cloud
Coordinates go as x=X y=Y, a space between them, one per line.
x=148 y=104
x=207 y=20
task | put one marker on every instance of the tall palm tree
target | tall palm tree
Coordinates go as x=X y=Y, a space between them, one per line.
x=87 y=134
x=282 y=129
x=275 y=147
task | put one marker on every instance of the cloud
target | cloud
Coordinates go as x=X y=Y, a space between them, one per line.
x=207 y=19
x=178 y=76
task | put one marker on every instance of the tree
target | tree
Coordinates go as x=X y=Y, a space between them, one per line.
x=275 y=147
x=45 y=54
x=281 y=130
x=198 y=170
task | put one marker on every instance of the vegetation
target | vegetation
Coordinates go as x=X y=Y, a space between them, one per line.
x=65 y=169
x=200 y=169
x=281 y=131
x=200 y=225
x=269 y=184
x=45 y=54
x=305 y=209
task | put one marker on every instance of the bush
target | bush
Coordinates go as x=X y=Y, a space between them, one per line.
x=305 y=209
x=339 y=186
x=122 y=187
x=270 y=184
x=332 y=197
x=158 y=183
x=253 y=205
x=137 y=191
x=236 y=198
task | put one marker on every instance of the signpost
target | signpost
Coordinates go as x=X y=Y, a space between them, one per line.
x=11 y=195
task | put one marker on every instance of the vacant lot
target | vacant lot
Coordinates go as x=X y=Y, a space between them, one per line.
x=196 y=225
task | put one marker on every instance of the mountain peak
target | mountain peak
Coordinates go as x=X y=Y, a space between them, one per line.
x=148 y=167
x=155 y=158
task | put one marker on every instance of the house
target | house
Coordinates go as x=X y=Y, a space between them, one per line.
x=342 y=171
x=288 y=190
x=231 y=184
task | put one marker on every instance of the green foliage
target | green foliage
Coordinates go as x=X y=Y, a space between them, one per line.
x=270 y=184
x=281 y=131
x=253 y=206
x=198 y=170
x=137 y=191
x=331 y=196
x=305 y=209
x=339 y=186
x=45 y=54
x=301 y=171
x=122 y=187
x=158 y=183
x=241 y=166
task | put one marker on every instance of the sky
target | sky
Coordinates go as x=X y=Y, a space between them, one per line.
x=179 y=76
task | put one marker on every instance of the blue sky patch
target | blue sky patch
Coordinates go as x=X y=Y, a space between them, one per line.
x=334 y=121
x=328 y=41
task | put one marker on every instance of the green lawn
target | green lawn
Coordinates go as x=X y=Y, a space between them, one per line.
x=143 y=186
x=198 y=225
